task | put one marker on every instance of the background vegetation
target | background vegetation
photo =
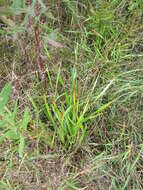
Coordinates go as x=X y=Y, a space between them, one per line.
x=71 y=101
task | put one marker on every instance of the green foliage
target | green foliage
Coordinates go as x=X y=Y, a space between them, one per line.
x=69 y=116
x=17 y=3
x=4 y=96
x=99 y=24
x=9 y=127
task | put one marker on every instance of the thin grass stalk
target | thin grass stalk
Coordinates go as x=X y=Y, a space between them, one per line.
x=38 y=49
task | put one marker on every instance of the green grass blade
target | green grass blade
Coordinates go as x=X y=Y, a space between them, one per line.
x=4 y=95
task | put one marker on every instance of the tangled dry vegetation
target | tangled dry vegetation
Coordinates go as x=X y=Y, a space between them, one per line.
x=71 y=101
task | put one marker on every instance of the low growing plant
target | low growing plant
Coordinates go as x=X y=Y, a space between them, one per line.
x=68 y=113
x=9 y=127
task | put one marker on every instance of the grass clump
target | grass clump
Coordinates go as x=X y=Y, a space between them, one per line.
x=68 y=112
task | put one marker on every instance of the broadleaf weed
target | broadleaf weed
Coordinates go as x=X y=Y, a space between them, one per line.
x=9 y=127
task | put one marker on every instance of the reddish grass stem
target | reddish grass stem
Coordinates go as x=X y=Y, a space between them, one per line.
x=37 y=47
x=37 y=42
x=26 y=55
x=30 y=2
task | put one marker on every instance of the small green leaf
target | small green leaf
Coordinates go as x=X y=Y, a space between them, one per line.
x=74 y=74
x=17 y=3
x=11 y=135
x=4 y=95
x=102 y=108
x=21 y=146
x=25 y=120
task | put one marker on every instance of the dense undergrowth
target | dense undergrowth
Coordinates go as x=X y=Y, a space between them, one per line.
x=71 y=101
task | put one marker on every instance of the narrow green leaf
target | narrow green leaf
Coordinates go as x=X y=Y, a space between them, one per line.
x=48 y=113
x=102 y=108
x=4 y=95
x=21 y=146
x=25 y=120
